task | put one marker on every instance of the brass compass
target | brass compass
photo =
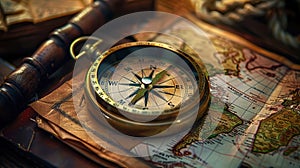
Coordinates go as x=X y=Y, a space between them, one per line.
x=144 y=88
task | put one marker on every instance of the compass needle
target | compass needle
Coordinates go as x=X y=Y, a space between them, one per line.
x=143 y=73
x=132 y=94
x=159 y=95
x=137 y=76
x=138 y=96
x=130 y=84
x=129 y=79
x=168 y=93
x=151 y=74
x=163 y=86
x=159 y=76
x=146 y=98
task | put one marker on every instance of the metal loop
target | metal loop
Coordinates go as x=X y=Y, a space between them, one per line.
x=88 y=50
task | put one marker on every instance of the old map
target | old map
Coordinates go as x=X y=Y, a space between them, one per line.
x=259 y=102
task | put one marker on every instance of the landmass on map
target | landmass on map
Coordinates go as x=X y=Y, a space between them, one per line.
x=218 y=125
x=278 y=129
x=229 y=56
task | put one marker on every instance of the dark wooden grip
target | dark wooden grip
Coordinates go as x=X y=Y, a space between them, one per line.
x=22 y=85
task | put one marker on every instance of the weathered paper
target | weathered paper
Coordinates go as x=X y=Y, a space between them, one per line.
x=37 y=10
x=58 y=117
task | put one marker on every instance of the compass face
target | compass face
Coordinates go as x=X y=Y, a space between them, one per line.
x=143 y=83
x=146 y=82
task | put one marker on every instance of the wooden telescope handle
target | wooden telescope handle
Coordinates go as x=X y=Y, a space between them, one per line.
x=22 y=84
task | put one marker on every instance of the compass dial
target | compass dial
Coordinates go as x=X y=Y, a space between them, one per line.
x=147 y=83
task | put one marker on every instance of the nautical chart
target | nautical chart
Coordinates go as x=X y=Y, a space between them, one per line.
x=254 y=116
